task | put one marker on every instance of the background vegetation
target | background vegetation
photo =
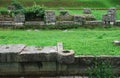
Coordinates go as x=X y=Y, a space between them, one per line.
x=68 y=3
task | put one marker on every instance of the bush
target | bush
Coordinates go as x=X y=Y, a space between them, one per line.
x=17 y=5
x=34 y=12
x=4 y=11
x=101 y=69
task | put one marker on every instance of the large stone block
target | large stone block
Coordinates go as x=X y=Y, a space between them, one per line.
x=9 y=68
x=78 y=19
x=36 y=54
x=64 y=16
x=50 y=17
x=112 y=11
x=65 y=23
x=87 y=11
x=9 y=53
x=66 y=56
x=38 y=23
x=19 y=18
x=94 y=23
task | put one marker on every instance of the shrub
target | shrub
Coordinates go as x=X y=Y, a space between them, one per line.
x=33 y=12
x=101 y=69
x=17 y=4
x=4 y=11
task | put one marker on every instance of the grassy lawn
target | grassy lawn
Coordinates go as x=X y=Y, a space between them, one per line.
x=84 y=41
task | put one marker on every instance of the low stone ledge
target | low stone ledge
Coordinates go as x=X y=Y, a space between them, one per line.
x=6 y=23
x=94 y=23
x=89 y=59
x=22 y=53
x=37 y=54
x=65 y=23
x=39 y=23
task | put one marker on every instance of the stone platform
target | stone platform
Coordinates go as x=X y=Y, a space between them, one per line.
x=19 y=60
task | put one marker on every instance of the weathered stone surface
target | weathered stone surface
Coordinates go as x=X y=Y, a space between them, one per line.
x=65 y=23
x=116 y=42
x=87 y=11
x=110 y=17
x=39 y=23
x=107 y=19
x=88 y=17
x=19 y=18
x=64 y=16
x=49 y=66
x=95 y=23
x=9 y=53
x=117 y=22
x=9 y=68
x=66 y=56
x=6 y=23
x=112 y=11
x=32 y=53
x=50 y=17
x=11 y=8
x=79 y=19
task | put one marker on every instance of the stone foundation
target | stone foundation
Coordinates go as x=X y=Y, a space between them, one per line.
x=21 y=60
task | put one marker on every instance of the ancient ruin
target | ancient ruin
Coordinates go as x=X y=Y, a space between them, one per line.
x=21 y=60
x=65 y=18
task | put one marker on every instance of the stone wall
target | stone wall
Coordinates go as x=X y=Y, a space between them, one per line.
x=21 y=60
x=64 y=18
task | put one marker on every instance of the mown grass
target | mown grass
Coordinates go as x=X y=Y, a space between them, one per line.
x=84 y=41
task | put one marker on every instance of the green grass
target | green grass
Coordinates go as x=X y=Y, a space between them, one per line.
x=68 y=3
x=84 y=41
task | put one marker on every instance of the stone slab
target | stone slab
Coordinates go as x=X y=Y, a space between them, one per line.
x=32 y=53
x=9 y=53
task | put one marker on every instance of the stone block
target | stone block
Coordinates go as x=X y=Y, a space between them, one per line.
x=117 y=22
x=9 y=53
x=108 y=19
x=66 y=56
x=31 y=67
x=36 y=23
x=37 y=54
x=48 y=66
x=65 y=23
x=9 y=68
x=112 y=11
x=87 y=11
x=78 y=19
x=94 y=23
x=11 y=8
x=6 y=23
x=19 y=18
x=116 y=42
x=64 y=16
x=50 y=17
